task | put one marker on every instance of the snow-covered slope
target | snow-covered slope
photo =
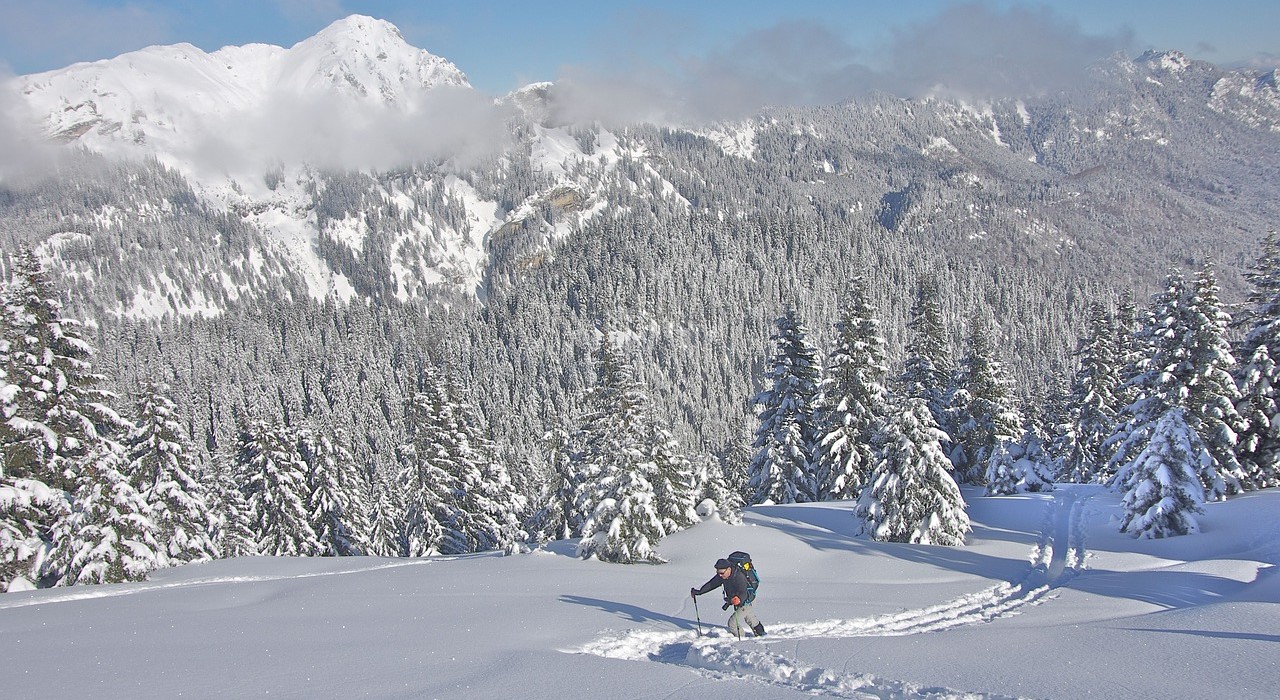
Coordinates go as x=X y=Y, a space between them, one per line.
x=372 y=169
x=1047 y=600
x=157 y=99
x=256 y=128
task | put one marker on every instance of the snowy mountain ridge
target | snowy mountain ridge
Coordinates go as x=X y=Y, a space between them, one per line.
x=368 y=168
x=163 y=93
x=254 y=128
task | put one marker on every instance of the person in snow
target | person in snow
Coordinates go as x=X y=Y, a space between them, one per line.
x=734 y=583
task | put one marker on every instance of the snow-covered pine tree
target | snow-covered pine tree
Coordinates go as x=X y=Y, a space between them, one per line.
x=1161 y=485
x=927 y=369
x=1093 y=402
x=386 y=533
x=911 y=496
x=1186 y=367
x=1259 y=374
x=780 y=470
x=1132 y=350
x=163 y=467
x=717 y=488
x=1021 y=466
x=556 y=518
x=275 y=485
x=109 y=536
x=1212 y=393
x=1001 y=475
x=53 y=416
x=1033 y=463
x=21 y=500
x=855 y=399
x=423 y=484
x=1150 y=375
x=24 y=504
x=988 y=416
x=57 y=409
x=234 y=536
x=337 y=494
x=621 y=522
x=675 y=481
x=477 y=506
x=485 y=492
x=735 y=466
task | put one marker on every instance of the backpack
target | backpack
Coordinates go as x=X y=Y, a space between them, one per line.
x=742 y=561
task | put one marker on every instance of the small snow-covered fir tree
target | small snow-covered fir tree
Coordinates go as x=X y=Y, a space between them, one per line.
x=109 y=536
x=1259 y=375
x=1161 y=485
x=426 y=477
x=475 y=503
x=234 y=536
x=675 y=480
x=624 y=527
x=854 y=398
x=1033 y=463
x=1259 y=406
x=986 y=418
x=1001 y=475
x=1212 y=392
x=1186 y=367
x=911 y=496
x=163 y=467
x=1093 y=402
x=556 y=518
x=780 y=470
x=275 y=485
x=338 y=495
x=25 y=504
x=621 y=522
x=386 y=533
x=1022 y=466
x=53 y=414
x=718 y=489
x=927 y=370
x=486 y=492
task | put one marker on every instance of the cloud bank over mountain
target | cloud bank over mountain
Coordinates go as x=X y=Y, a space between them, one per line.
x=24 y=151
x=358 y=96
x=970 y=51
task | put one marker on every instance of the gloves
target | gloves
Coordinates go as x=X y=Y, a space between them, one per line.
x=736 y=602
x=693 y=593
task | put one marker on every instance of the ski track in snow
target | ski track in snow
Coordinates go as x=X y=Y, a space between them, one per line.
x=1058 y=556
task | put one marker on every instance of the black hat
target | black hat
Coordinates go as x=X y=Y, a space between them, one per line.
x=723 y=564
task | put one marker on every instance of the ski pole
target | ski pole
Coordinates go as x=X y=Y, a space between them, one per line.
x=697 y=614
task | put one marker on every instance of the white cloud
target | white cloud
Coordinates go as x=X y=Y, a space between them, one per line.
x=332 y=132
x=23 y=151
x=972 y=50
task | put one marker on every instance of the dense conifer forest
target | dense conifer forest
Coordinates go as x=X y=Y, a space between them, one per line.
x=883 y=299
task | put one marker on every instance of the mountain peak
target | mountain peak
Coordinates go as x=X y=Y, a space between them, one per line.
x=367 y=57
x=1171 y=61
x=362 y=30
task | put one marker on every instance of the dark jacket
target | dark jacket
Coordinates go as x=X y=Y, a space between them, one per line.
x=735 y=585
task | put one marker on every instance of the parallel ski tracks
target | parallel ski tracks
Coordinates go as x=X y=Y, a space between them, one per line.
x=1058 y=556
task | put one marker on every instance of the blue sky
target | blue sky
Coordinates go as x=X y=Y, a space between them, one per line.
x=503 y=44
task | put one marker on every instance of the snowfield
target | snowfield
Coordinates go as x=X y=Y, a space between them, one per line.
x=1048 y=600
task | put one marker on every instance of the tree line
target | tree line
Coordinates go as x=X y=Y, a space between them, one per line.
x=1159 y=408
